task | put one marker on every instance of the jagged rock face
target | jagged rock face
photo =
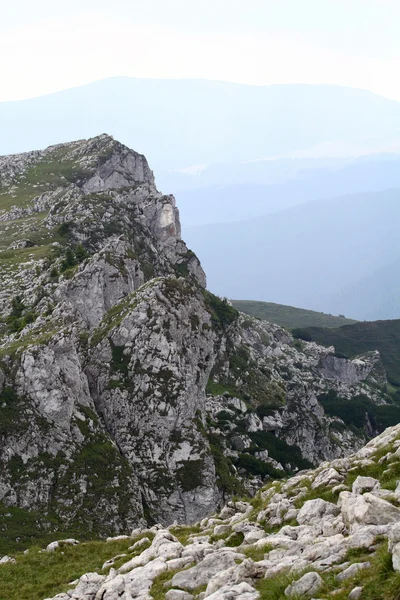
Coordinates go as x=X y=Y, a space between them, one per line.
x=148 y=385
x=129 y=393
x=95 y=192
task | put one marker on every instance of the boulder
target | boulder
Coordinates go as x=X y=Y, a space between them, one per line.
x=314 y=511
x=356 y=593
x=394 y=546
x=352 y=570
x=7 y=559
x=307 y=585
x=366 y=510
x=241 y=591
x=365 y=484
x=327 y=477
x=201 y=573
x=178 y=595
x=57 y=544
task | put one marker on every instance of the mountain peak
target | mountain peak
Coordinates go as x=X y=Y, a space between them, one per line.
x=86 y=192
x=128 y=392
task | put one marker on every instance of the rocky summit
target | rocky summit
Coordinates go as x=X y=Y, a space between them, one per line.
x=131 y=396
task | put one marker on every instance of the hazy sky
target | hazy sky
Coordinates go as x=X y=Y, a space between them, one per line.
x=48 y=46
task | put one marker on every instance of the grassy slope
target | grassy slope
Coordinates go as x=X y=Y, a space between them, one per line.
x=351 y=340
x=289 y=316
x=38 y=575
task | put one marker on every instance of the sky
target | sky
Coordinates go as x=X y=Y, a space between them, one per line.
x=48 y=46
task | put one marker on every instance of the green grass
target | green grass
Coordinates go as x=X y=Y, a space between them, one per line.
x=255 y=553
x=274 y=588
x=289 y=316
x=388 y=479
x=41 y=575
x=325 y=493
x=184 y=532
x=379 y=582
x=160 y=584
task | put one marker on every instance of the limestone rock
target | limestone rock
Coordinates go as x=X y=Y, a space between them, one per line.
x=365 y=484
x=201 y=573
x=356 y=593
x=313 y=511
x=367 y=510
x=307 y=585
x=352 y=571
x=240 y=591
x=124 y=378
x=178 y=595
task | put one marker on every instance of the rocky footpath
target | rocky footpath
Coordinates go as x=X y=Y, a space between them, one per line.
x=129 y=394
x=332 y=532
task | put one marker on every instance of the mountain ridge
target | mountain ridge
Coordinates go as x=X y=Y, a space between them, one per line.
x=190 y=98
x=289 y=316
x=130 y=394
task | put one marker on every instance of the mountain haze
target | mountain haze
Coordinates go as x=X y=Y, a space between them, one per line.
x=232 y=153
x=308 y=255
x=297 y=181
x=229 y=122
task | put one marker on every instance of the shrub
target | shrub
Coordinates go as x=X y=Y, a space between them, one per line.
x=302 y=334
x=64 y=228
x=222 y=313
x=255 y=466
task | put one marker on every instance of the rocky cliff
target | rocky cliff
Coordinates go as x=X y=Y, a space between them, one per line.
x=129 y=394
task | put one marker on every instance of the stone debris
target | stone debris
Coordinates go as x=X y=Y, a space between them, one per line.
x=319 y=543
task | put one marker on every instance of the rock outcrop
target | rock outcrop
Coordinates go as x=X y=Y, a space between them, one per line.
x=283 y=543
x=129 y=394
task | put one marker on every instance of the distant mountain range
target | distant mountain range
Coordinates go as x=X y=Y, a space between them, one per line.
x=306 y=181
x=185 y=123
x=337 y=255
x=292 y=165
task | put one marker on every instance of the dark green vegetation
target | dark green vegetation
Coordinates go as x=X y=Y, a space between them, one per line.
x=351 y=340
x=222 y=313
x=279 y=450
x=228 y=483
x=19 y=316
x=354 y=412
x=289 y=316
x=289 y=456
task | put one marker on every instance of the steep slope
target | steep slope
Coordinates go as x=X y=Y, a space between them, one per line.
x=329 y=533
x=289 y=316
x=129 y=394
